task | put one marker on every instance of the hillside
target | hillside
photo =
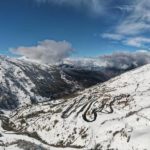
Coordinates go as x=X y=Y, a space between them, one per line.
x=112 y=115
x=24 y=82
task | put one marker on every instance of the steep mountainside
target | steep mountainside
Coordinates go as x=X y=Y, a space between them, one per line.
x=114 y=115
x=23 y=82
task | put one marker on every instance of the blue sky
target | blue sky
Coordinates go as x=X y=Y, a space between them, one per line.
x=89 y=27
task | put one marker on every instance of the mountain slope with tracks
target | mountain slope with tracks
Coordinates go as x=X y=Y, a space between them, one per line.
x=112 y=115
x=23 y=82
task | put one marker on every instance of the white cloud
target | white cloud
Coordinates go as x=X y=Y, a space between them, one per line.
x=112 y=36
x=47 y=51
x=137 y=41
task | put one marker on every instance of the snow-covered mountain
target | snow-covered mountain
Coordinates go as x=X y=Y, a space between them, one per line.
x=114 y=115
x=24 y=82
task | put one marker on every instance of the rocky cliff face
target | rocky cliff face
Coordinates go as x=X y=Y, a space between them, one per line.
x=112 y=115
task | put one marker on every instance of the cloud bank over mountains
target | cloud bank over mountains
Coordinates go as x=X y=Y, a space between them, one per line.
x=55 y=52
x=118 y=60
x=130 y=30
x=125 y=60
x=47 y=51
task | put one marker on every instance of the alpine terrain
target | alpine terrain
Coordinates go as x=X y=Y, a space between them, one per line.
x=24 y=82
x=43 y=108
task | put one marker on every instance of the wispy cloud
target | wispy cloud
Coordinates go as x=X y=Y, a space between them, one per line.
x=95 y=6
x=47 y=51
x=125 y=8
x=112 y=36
x=131 y=28
x=137 y=41
x=134 y=26
x=138 y=21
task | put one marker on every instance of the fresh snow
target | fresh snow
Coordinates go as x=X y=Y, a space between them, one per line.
x=112 y=115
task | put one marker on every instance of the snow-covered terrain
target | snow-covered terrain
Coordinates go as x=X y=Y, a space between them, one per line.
x=23 y=82
x=114 y=115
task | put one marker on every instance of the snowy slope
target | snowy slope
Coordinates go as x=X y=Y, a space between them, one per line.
x=112 y=115
x=24 y=82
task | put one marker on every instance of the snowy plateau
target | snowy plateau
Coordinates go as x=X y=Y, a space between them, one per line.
x=37 y=113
